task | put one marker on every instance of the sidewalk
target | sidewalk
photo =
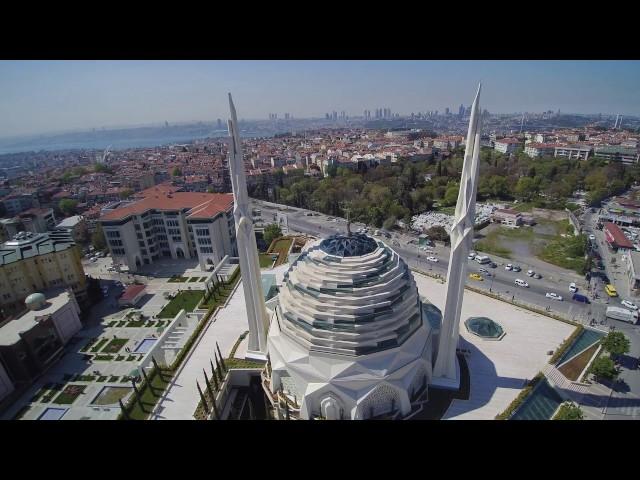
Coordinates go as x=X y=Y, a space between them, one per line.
x=181 y=399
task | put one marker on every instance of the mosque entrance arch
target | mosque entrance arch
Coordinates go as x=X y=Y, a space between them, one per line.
x=331 y=408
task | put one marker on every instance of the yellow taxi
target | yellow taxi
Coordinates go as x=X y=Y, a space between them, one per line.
x=611 y=290
x=476 y=276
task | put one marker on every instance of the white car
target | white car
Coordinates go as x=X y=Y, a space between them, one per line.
x=573 y=288
x=93 y=259
x=472 y=255
x=432 y=259
x=555 y=296
x=521 y=283
x=531 y=273
x=592 y=237
x=508 y=267
x=629 y=304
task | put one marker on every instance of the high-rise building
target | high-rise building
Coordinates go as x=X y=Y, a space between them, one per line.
x=446 y=111
x=461 y=110
x=219 y=124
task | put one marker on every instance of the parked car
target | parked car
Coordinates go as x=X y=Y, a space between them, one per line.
x=516 y=268
x=475 y=276
x=493 y=265
x=471 y=255
x=629 y=304
x=573 y=288
x=592 y=237
x=531 y=273
x=611 y=290
x=554 y=296
x=537 y=276
x=508 y=267
x=521 y=283
x=432 y=259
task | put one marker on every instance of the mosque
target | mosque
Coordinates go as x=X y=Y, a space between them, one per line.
x=348 y=336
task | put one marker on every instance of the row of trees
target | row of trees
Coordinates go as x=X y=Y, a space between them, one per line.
x=382 y=195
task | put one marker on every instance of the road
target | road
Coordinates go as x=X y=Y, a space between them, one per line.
x=502 y=282
x=624 y=402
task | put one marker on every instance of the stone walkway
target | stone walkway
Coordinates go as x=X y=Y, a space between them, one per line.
x=499 y=369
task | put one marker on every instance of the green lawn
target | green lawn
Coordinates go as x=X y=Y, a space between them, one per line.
x=281 y=247
x=114 y=378
x=85 y=378
x=265 y=260
x=115 y=345
x=177 y=279
x=99 y=345
x=566 y=252
x=194 y=279
x=103 y=357
x=150 y=396
x=186 y=300
x=135 y=323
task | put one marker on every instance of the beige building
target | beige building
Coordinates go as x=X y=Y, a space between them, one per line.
x=36 y=262
x=164 y=223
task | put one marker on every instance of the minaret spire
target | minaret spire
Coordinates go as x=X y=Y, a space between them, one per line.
x=445 y=371
x=247 y=250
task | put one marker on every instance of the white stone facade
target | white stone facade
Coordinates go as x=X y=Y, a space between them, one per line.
x=348 y=338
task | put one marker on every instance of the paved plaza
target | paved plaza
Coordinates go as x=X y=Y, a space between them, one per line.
x=498 y=369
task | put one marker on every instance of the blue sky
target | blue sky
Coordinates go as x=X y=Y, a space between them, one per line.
x=47 y=96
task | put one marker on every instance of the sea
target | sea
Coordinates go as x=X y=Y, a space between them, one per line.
x=94 y=142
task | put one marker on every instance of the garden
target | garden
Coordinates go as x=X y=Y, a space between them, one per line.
x=115 y=345
x=187 y=300
x=69 y=394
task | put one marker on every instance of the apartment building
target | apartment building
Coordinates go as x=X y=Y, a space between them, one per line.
x=164 y=223
x=36 y=262
x=618 y=153
x=508 y=217
x=36 y=339
x=507 y=145
x=573 y=151
x=535 y=149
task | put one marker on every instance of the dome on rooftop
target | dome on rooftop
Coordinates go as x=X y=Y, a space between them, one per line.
x=354 y=245
x=35 y=301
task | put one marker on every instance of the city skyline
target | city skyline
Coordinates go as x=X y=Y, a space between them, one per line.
x=45 y=97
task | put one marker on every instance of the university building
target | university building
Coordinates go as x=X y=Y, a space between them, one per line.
x=36 y=262
x=164 y=223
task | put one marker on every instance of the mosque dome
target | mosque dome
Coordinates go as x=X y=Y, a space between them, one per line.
x=350 y=336
x=35 y=301
x=350 y=294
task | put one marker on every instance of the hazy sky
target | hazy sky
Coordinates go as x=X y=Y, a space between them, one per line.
x=46 y=96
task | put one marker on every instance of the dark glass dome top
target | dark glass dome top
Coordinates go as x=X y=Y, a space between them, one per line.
x=484 y=327
x=354 y=245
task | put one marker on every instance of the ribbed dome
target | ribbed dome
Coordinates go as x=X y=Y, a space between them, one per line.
x=35 y=301
x=350 y=294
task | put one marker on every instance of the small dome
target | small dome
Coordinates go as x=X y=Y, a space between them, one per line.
x=35 y=301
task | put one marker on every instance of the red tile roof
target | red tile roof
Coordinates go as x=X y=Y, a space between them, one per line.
x=164 y=197
x=131 y=292
x=614 y=236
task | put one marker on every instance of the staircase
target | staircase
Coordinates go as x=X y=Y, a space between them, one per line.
x=589 y=395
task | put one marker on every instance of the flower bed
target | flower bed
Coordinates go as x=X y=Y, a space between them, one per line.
x=69 y=394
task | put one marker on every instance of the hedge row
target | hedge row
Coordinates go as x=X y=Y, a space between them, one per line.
x=513 y=406
x=566 y=345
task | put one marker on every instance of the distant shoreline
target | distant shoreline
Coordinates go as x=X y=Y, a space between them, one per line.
x=53 y=144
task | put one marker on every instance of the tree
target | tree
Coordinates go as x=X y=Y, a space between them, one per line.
x=616 y=343
x=126 y=193
x=97 y=239
x=177 y=172
x=438 y=232
x=451 y=195
x=569 y=411
x=102 y=168
x=389 y=223
x=603 y=367
x=67 y=206
x=526 y=188
x=271 y=232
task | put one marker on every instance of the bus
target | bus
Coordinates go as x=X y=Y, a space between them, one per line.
x=611 y=290
x=482 y=259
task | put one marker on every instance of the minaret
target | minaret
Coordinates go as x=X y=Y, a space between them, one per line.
x=247 y=249
x=445 y=372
